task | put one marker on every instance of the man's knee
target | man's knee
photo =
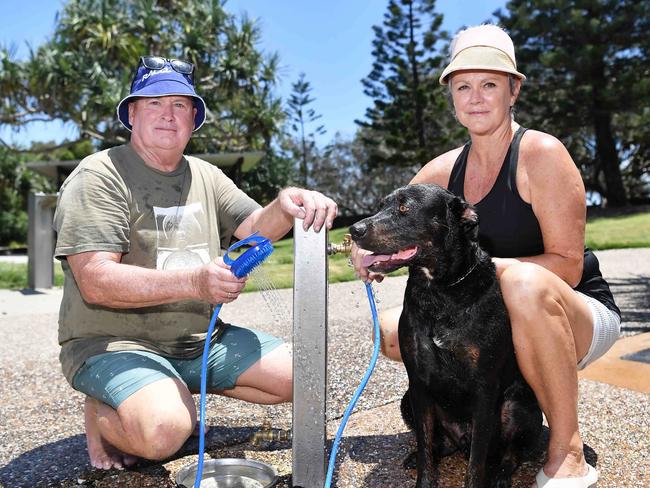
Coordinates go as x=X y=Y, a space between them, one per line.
x=285 y=390
x=282 y=379
x=162 y=433
x=158 y=429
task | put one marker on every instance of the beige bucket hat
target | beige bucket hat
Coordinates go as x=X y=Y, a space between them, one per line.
x=484 y=47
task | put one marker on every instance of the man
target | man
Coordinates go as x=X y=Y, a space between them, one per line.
x=139 y=229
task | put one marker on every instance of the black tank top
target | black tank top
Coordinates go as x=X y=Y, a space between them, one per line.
x=508 y=227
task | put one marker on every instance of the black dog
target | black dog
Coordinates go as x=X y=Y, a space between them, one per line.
x=465 y=390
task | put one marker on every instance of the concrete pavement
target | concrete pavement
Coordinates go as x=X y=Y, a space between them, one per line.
x=41 y=428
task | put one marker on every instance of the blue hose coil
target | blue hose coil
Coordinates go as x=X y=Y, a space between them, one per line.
x=240 y=267
x=357 y=393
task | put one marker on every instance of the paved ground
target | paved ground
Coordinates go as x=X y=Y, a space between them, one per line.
x=41 y=430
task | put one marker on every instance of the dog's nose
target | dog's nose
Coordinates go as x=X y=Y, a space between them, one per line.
x=359 y=230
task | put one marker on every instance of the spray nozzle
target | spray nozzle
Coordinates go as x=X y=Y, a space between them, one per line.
x=252 y=257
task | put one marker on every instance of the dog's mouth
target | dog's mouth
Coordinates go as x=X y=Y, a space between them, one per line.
x=385 y=263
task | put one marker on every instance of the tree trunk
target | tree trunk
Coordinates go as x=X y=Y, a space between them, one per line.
x=419 y=118
x=609 y=162
x=303 y=161
x=605 y=144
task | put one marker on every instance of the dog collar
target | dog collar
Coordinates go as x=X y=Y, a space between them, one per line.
x=464 y=276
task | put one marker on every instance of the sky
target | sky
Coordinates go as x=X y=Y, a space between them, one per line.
x=329 y=40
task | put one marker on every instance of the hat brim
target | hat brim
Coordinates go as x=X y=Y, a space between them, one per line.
x=483 y=58
x=163 y=88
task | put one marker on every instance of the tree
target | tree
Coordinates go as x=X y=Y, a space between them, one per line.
x=13 y=186
x=16 y=181
x=634 y=131
x=344 y=173
x=273 y=173
x=84 y=70
x=587 y=66
x=300 y=115
x=86 y=67
x=409 y=121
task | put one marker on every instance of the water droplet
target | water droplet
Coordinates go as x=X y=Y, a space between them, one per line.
x=274 y=302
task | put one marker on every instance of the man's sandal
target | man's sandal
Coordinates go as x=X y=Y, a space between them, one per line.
x=586 y=481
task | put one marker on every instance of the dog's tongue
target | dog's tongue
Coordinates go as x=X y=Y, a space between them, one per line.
x=402 y=255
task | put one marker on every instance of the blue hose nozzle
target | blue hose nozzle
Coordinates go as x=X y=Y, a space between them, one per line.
x=251 y=258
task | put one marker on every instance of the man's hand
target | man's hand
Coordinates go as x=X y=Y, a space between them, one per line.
x=313 y=207
x=362 y=272
x=215 y=283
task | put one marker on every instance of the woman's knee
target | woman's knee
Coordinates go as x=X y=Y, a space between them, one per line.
x=536 y=300
x=388 y=327
x=528 y=288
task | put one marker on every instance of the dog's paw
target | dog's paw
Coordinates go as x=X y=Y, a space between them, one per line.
x=501 y=483
x=411 y=461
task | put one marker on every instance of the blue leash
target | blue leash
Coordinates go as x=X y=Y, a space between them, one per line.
x=357 y=393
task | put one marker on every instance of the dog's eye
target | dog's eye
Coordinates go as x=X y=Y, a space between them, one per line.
x=403 y=209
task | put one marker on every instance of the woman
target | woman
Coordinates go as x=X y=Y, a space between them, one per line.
x=531 y=204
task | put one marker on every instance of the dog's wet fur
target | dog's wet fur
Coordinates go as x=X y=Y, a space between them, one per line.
x=465 y=392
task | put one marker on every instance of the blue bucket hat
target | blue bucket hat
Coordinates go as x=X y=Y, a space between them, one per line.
x=161 y=83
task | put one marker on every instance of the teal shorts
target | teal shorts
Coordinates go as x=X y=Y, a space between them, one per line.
x=114 y=376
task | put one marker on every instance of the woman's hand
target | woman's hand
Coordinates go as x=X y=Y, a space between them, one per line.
x=356 y=257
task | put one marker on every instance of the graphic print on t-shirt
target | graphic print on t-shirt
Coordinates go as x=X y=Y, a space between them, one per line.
x=181 y=240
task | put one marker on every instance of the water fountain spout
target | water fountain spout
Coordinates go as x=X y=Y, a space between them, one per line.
x=268 y=434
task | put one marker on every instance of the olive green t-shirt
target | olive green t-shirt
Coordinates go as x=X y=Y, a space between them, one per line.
x=114 y=202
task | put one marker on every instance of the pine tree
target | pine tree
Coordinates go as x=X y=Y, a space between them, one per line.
x=409 y=121
x=301 y=116
x=85 y=68
x=587 y=63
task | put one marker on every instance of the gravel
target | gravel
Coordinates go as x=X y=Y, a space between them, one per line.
x=42 y=440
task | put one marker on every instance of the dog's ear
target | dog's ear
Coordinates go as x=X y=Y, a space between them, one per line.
x=469 y=221
x=466 y=216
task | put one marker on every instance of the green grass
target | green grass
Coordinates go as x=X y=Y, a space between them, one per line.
x=625 y=231
x=619 y=232
x=13 y=276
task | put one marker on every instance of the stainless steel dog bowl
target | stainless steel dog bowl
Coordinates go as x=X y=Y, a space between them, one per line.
x=229 y=473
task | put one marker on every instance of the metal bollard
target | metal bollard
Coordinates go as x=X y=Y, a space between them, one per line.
x=309 y=357
x=40 y=240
